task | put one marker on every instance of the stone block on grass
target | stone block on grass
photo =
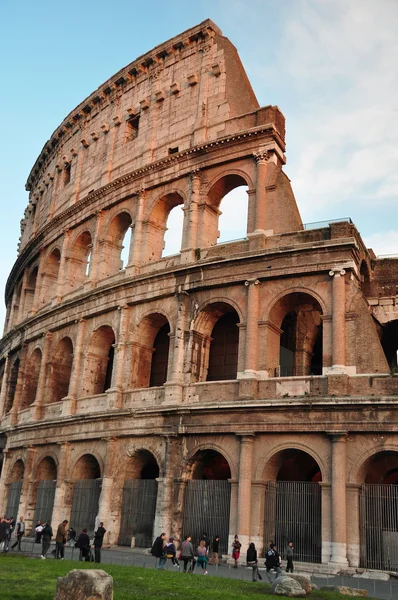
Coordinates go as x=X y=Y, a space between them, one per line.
x=287 y=586
x=344 y=590
x=82 y=584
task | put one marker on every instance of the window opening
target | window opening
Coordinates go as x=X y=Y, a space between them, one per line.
x=173 y=234
x=232 y=223
x=67 y=173
x=132 y=125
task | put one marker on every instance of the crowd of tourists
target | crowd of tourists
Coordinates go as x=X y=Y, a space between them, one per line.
x=44 y=534
x=209 y=553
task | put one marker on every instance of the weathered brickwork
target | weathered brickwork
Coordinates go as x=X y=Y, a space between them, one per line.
x=249 y=363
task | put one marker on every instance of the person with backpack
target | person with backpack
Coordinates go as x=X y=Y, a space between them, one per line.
x=187 y=554
x=273 y=561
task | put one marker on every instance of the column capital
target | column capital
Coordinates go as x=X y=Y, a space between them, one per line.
x=261 y=156
x=249 y=282
x=247 y=437
x=338 y=436
x=337 y=272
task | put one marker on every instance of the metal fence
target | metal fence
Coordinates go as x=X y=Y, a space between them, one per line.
x=379 y=526
x=44 y=501
x=293 y=513
x=206 y=510
x=85 y=500
x=138 y=512
x=14 y=495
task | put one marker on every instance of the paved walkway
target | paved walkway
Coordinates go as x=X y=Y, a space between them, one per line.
x=382 y=590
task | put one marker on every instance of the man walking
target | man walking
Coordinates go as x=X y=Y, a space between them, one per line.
x=273 y=562
x=60 y=540
x=289 y=557
x=46 y=536
x=20 y=533
x=98 y=540
x=158 y=551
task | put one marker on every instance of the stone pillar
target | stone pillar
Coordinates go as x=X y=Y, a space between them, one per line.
x=69 y=404
x=353 y=524
x=4 y=385
x=38 y=289
x=96 y=253
x=136 y=250
x=164 y=504
x=245 y=488
x=261 y=158
x=326 y=512
x=4 y=485
x=190 y=227
x=338 y=321
x=21 y=313
x=20 y=383
x=178 y=350
x=233 y=513
x=37 y=405
x=106 y=513
x=257 y=519
x=61 y=511
x=179 y=495
x=251 y=346
x=62 y=268
x=26 y=489
x=339 y=520
x=119 y=374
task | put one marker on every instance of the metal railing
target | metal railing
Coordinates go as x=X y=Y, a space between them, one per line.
x=321 y=224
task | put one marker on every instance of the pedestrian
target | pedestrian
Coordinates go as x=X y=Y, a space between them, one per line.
x=3 y=533
x=289 y=557
x=71 y=537
x=20 y=530
x=60 y=540
x=187 y=554
x=273 y=561
x=171 y=552
x=38 y=530
x=158 y=551
x=215 y=548
x=202 y=556
x=251 y=561
x=236 y=546
x=83 y=543
x=46 y=536
x=98 y=540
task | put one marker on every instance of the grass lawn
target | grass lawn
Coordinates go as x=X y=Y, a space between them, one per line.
x=24 y=578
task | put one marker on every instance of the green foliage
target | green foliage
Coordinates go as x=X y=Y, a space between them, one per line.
x=24 y=578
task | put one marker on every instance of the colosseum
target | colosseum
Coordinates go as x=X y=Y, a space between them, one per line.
x=244 y=387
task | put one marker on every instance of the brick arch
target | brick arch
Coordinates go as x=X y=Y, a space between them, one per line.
x=79 y=259
x=60 y=369
x=295 y=290
x=134 y=450
x=196 y=322
x=99 y=357
x=31 y=377
x=237 y=177
x=39 y=463
x=156 y=223
x=91 y=452
x=42 y=456
x=260 y=473
x=30 y=289
x=17 y=471
x=187 y=465
x=356 y=473
x=115 y=232
x=12 y=382
x=151 y=357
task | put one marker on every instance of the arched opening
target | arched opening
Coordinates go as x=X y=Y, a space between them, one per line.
x=14 y=490
x=79 y=261
x=126 y=247
x=16 y=305
x=50 y=279
x=379 y=512
x=293 y=504
x=365 y=278
x=60 y=371
x=99 y=362
x=207 y=498
x=12 y=385
x=296 y=350
x=86 y=476
x=173 y=233
x=114 y=244
x=156 y=227
x=231 y=222
x=30 y=291
x=31 y=377
x=44 y=490
x=139 y=500
x=151 y=352
x=389 y=342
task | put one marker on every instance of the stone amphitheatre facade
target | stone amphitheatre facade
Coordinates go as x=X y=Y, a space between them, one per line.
x=242 y=387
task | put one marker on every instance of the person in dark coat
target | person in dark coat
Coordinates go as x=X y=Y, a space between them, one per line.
x=98 y=540
x=158 y=550
x=3 y=533
x=83 y=543
x=46 y=536
x=273 y=561
x=20 y=534
x=216 y=549
x=38 y=530
x=251 y=560
x=289 y=557
x=171 y=552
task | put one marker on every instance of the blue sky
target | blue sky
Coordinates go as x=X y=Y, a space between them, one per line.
x=330 y=65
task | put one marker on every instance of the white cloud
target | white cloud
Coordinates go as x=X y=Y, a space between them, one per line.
x=383 y=243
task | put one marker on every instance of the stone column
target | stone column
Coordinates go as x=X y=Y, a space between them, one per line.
x=176 y=525
x=339 y=520
x=245 y=487
x=69 y=403
x=106 y=514
x=136 y=250
x=190 y=227
x=261 y=158
x=26 y=489
x=39 y=286
x=338 y=320
x=37 y=405
x=60 y=510
x=62 y=268
x=251 y=346
x=164 y=503
x=326 y=512
x=21 y=314
x=119 y=374
x=233 y=513
x=4 y=485
x=178 y=350
x=353 y=524
x=20 y=383
x=96 y=253
x=4 y=385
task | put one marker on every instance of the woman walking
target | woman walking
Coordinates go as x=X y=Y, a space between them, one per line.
x=202 y=556
x=251 y=560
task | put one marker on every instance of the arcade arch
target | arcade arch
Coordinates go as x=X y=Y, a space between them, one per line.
x=43 y=492
x=31 y=379
x=97 y=376
x=118 y=234
x=86 y=477
x=12 y=385
x=60 y=371
x=15 y=479
x=156 y=227
x=50 y=276
x=79 y=261
x=389 y=342
x=151 y=353
x=30 y=290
